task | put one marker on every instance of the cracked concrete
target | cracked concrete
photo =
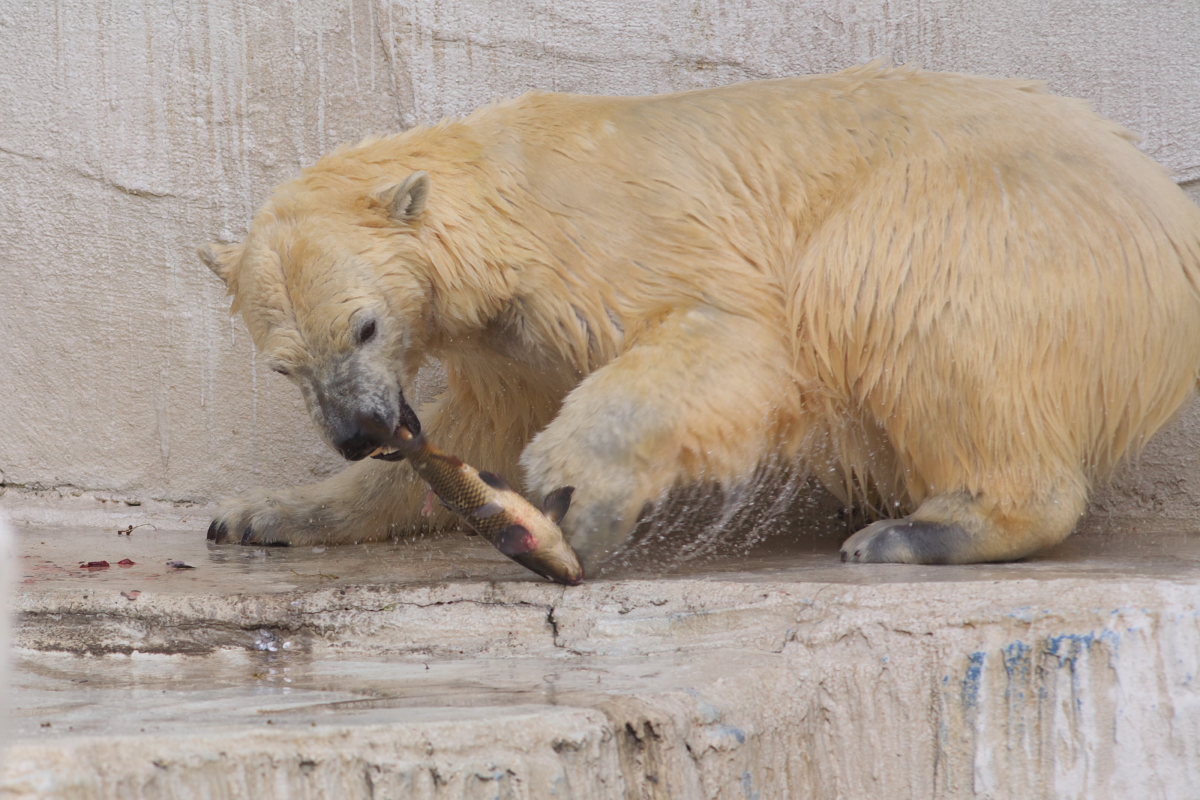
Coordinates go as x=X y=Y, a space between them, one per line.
x=437 y=668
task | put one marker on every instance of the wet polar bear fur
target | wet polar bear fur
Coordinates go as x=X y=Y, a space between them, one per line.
x=956 y=298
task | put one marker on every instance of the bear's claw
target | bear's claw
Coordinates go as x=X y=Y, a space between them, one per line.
x=261 y=519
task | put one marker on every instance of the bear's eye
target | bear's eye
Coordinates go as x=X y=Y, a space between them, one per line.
x=281 y=370
x=366 y=332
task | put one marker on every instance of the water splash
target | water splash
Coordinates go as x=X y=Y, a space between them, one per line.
x=706 y=520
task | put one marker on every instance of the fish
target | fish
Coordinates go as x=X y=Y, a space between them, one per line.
x=493 y=509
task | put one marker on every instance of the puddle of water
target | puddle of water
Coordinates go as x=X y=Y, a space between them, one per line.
x=57 y=558
x=54 y=559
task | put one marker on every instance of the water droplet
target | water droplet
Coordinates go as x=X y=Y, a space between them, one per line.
x=267 y=641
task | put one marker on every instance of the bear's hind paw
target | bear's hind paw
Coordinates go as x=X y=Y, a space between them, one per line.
x=906 y=541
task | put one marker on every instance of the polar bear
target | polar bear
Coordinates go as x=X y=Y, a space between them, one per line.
x=953 y=299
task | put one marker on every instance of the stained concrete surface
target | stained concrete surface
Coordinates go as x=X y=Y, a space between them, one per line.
x=437 y=668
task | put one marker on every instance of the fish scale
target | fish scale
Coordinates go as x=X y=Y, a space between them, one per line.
x=445 y=476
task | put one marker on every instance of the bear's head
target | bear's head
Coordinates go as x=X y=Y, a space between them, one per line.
x=330 y=282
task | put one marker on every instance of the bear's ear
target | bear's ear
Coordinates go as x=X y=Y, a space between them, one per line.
x=406 y=201
x=220 y=258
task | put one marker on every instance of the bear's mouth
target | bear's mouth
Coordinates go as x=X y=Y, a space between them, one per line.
x=387 y=452
x=408 y=421
x=406 y=430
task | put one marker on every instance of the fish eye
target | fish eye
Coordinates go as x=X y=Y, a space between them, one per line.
x=367 y=332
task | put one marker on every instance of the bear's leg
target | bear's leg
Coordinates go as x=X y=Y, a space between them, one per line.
x=372 y=500
x=362 y=503
x=958 y=528
x=697 y=398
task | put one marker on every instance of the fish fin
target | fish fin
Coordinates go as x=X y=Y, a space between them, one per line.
x=493 y=480
x=557 y=502
x=487 y=510
x=515 y=540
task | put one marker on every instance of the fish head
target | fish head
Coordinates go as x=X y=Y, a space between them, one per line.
x=538 y=544
x=549 y=556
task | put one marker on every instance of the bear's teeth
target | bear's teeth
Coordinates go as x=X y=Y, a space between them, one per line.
x=382 y=450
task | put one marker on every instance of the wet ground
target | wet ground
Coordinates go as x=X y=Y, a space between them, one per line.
x=178 y=646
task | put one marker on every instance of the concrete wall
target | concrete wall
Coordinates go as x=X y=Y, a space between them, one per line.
x=133 y=131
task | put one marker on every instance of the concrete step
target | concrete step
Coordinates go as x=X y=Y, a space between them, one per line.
x=438 y=669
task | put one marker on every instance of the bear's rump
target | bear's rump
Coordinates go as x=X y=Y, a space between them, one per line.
x=1001 y=317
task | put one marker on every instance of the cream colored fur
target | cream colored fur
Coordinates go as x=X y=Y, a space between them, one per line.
x=960 y=298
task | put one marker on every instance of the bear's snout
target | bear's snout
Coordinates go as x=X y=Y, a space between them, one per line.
x=359 y=434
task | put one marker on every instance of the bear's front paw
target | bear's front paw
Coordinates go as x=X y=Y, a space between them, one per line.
x=265 y=518
x=252 y=519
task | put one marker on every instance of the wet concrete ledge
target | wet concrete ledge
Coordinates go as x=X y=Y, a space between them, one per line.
x=438 y=669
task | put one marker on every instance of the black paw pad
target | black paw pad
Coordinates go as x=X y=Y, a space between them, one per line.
x=908 y=541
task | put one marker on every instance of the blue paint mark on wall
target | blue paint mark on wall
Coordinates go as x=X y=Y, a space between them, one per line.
x=972 y=680
x=1023 y=613
x=1069 y=647
x=1019 y=667
x=736 y=733
x=748 y=790
x=708 y=712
